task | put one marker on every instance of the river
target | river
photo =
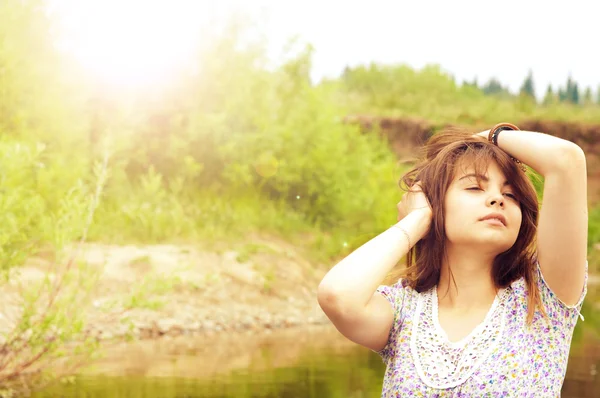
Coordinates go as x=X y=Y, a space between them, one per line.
x=291 y=363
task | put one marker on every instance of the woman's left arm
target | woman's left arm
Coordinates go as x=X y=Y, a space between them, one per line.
x=563 y=220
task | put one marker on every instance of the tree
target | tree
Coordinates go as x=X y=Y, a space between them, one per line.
x=569 y=89
x=572 y=93
x=575 y=94
x=562 y=94
x=471 y=84
x=494 y=87
x=587 y=96
x=527 y=88
x=598 y=95
x=550 y=97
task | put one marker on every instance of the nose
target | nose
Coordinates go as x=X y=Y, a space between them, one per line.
x=496 y=200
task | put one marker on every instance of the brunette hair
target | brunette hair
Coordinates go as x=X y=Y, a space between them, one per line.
x=442 y=156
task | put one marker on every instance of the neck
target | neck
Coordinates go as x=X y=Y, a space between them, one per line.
x=470 y=284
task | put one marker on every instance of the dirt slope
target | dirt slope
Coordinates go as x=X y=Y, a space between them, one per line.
x=262 y=283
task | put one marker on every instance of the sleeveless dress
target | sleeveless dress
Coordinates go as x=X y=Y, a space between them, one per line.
x=502 y=357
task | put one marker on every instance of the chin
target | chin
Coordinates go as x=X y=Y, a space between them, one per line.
x=490 y=242
x=500 y=246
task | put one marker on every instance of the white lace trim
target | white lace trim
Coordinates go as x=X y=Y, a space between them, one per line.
x=444 y=364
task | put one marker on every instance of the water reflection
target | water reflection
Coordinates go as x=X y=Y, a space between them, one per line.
x=285 y=364
x=582 y=378
x=356 y=373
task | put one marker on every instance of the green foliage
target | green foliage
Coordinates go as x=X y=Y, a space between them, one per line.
x=33 y=76
x=150 y=210
x=571 y=94
x=549 y=98
x=41 y=201
x=594 y=227
x=149 y=293
x=562 y=95
x=264 y=136
x=527 y=88
x=587 y=96
x=494 y=87
x=19 y=34
x=403 y=90
x=52 y=313
x=575 y=94
x=235 y=148
x=432 y=95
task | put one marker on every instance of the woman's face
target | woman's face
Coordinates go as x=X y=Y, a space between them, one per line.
x=469 y=204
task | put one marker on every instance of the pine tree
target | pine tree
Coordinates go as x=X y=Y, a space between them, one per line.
x=587 y=96
x=471 y=84
x=562 y=95
x=528 y=88
x=549 y=98
x=494 y=87
x=569 y=90
x=575 y=94
x=572 y=93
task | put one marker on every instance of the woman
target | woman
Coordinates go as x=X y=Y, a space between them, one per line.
x=492 y=290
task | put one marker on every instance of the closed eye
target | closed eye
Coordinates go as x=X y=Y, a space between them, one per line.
x=510 y=195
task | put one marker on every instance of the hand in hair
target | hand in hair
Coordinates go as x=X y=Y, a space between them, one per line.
x=483 y=134
x=413 y=200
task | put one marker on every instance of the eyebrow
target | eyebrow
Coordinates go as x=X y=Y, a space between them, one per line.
x=480 y=177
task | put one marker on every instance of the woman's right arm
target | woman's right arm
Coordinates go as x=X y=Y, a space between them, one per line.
x=347 y=294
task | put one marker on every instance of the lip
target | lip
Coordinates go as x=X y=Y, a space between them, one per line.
x=495 y=216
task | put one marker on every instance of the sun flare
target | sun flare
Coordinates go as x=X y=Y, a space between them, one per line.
x=130 y=42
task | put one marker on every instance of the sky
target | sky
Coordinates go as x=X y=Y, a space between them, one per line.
x=468 y=39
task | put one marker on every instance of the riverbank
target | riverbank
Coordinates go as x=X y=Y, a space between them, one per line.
x=263 y=284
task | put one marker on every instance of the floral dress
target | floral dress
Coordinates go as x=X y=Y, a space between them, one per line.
x=502 y=357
